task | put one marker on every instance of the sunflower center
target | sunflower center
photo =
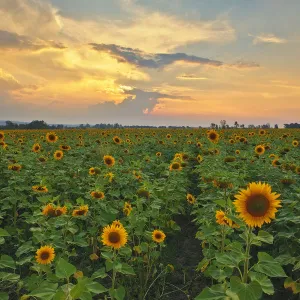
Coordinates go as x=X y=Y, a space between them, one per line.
x=80 y=212
x=45 y=255
x=114 y=237
x=158 y=236
x=257 y=205
x=212 y=136
x=108 y=161
x=51 y=137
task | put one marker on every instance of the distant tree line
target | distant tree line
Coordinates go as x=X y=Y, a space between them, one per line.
x=43 y=125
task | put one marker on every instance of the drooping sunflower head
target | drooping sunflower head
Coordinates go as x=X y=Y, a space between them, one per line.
x=190 y=198
x=15 y=167
x=276 y=163
x=97 y=195
x=51 y=137
x=114 y=236
x=81 y=211
x=109 y=160
x=175 y=166
x=36 y=148
x=199 y=158
x=220 y=217
x=143 y=193
x=45 y=255
x=158 y=236
x=260 y=149
x=257 y=204
x=213 y=136
x=40 y=189
x=127 y=208
x=58 y=155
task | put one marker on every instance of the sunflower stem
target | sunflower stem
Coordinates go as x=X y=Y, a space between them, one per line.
x=114 y=276
x=247 y=258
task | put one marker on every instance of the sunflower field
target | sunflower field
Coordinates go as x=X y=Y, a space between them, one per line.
x=150 y=214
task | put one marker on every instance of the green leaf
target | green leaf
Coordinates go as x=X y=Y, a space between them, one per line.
x=3 y=232
x=25 y=248
x=251 y=291
x=3 y=296
x=221 y=202
x=79 y=288
x=229 y=259
x=268 y=266
x=64 y=269
x=46 y=291
x=7 y=262
x=99 y=274
x=297 y=266
x=265 y=237
x=118 y=293
x=265 y=283
x=126 y=269
x=4 y=276
x=96 y=288
x=60 y=295
x=216 y=292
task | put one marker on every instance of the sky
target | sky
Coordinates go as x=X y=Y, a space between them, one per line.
x=150 y=62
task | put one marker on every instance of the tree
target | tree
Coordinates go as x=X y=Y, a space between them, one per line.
x=236 y=124
x=223 y=124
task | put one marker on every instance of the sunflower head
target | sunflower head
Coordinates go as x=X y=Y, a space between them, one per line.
x=45 y=255
x=81 y=211
x=97 y=195
x=213 y=136
x=109 y=160
x=40 y=189
x=114 y=236
x=260 y=149
x=276 y=163
x=295 y=143
x=51 y=137
x=15 y=167
x=117 y=140
x=257 y=204
x=143 y=193
x=190 y=199
x=175 y=166
x=199 y=158
x=158 y=236
x=36 y=148
x=158 y=154
x=58 y=155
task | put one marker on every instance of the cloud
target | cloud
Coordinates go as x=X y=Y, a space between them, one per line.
x=190 y=77
x=8 y=82
x=10 y=40
x=149 y=60
x=267 y=38
x=30 y=17
x=134 y=108
x=244 y=65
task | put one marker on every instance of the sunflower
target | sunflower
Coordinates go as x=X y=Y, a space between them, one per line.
x=190 y=198
x=64 y=147
x=58 y=154
x=40 y=189
x=60 y=211
x=97 y=195
x=257 y=204
x=295 y=143
x=117 y=140
x=49 y=210
x=237 y=152
x=260 y=149
x=220 y=217
x=297 y=170
x=92 y=171
x=143 y=193
x=213 y=136
x=175 y=166
x=158 y=154
x=15 y=167
x=276 y=163
x=51 y=137
x=117 y=223
x=199 y=145
x=42 y=159
x=81 y=211
x=199 y=158
x=114 y=236
x=109 y=160
x=168 y=136
x=36 y=148
x=262 y=132
x=158 y=236
x=2 y=135
x=45 y=255
x=110 y=176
